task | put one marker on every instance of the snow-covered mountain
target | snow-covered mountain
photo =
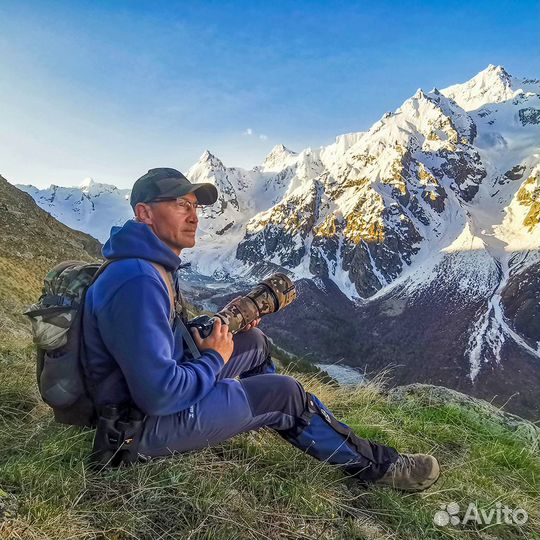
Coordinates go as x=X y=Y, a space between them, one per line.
x=426 y=227
x=91 y=207
x=363 y=209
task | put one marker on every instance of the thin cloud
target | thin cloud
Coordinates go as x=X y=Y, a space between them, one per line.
x=249 y=132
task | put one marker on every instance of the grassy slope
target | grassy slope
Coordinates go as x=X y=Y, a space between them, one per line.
x=256 y=485
x=31 y=243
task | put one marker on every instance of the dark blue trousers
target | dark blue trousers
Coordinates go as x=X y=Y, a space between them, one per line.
x=261 y=398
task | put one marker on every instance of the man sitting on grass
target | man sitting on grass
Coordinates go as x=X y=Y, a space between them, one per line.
x=136 y=354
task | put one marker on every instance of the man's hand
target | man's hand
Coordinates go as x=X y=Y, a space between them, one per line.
x=220 y=340
x=251 y=325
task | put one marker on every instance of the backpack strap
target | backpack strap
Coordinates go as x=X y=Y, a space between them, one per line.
x=100 y=270
x=167 y=277
x=98 y=273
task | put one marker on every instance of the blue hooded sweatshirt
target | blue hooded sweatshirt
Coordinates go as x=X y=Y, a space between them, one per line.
x=132 y=353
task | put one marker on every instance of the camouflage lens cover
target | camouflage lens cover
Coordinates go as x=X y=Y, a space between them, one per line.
x=269 y=296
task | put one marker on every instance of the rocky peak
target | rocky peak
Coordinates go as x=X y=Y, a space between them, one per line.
x=492 y=85
x=87 y=184
x=419 y=94
x=277 y=157
x=90 y=188
x=209 y=160
x=279 y=150
x=497 y=72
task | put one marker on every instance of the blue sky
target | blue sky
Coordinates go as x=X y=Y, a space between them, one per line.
x=109 y=89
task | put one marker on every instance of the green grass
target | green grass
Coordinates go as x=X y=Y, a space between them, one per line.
x=297 y=364
x=256 y=485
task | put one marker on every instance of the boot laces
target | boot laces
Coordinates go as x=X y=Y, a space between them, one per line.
x=404 y=463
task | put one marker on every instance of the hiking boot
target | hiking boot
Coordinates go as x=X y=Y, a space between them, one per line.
x=411 y=472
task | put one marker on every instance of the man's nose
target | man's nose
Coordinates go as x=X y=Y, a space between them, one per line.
x=193 y=217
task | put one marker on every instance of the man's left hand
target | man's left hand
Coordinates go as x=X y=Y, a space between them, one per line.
x=251 y=325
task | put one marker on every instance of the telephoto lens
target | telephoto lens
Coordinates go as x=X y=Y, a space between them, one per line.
x=268 y=296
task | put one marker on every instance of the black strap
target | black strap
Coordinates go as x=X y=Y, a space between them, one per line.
x=56 y=300
x=100 y=271
x=189 y=339
x=89 y=386
x=181 y=316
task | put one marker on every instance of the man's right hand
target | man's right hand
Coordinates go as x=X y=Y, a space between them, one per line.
x=220 y=340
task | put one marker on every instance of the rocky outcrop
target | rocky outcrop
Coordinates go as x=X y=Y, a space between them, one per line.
x=432 y=396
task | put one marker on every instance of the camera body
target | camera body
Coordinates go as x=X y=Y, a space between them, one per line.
x=203 y=323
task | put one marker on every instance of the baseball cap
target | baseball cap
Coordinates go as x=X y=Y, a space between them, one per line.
x=164 y=182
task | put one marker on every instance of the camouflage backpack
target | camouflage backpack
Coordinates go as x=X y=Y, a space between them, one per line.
x=57 y=330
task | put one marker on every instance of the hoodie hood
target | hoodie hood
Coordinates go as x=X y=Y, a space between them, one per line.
x=136 y=240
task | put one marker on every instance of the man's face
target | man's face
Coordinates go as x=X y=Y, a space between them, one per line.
x=172 y=223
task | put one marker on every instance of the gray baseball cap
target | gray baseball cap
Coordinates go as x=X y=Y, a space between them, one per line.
x=165 y=183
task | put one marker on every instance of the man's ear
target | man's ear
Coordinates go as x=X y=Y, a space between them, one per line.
x=143 y=213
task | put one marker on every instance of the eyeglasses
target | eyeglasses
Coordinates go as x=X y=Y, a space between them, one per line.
x=183 y=205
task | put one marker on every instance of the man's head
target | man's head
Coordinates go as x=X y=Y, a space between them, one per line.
x=167 y=202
